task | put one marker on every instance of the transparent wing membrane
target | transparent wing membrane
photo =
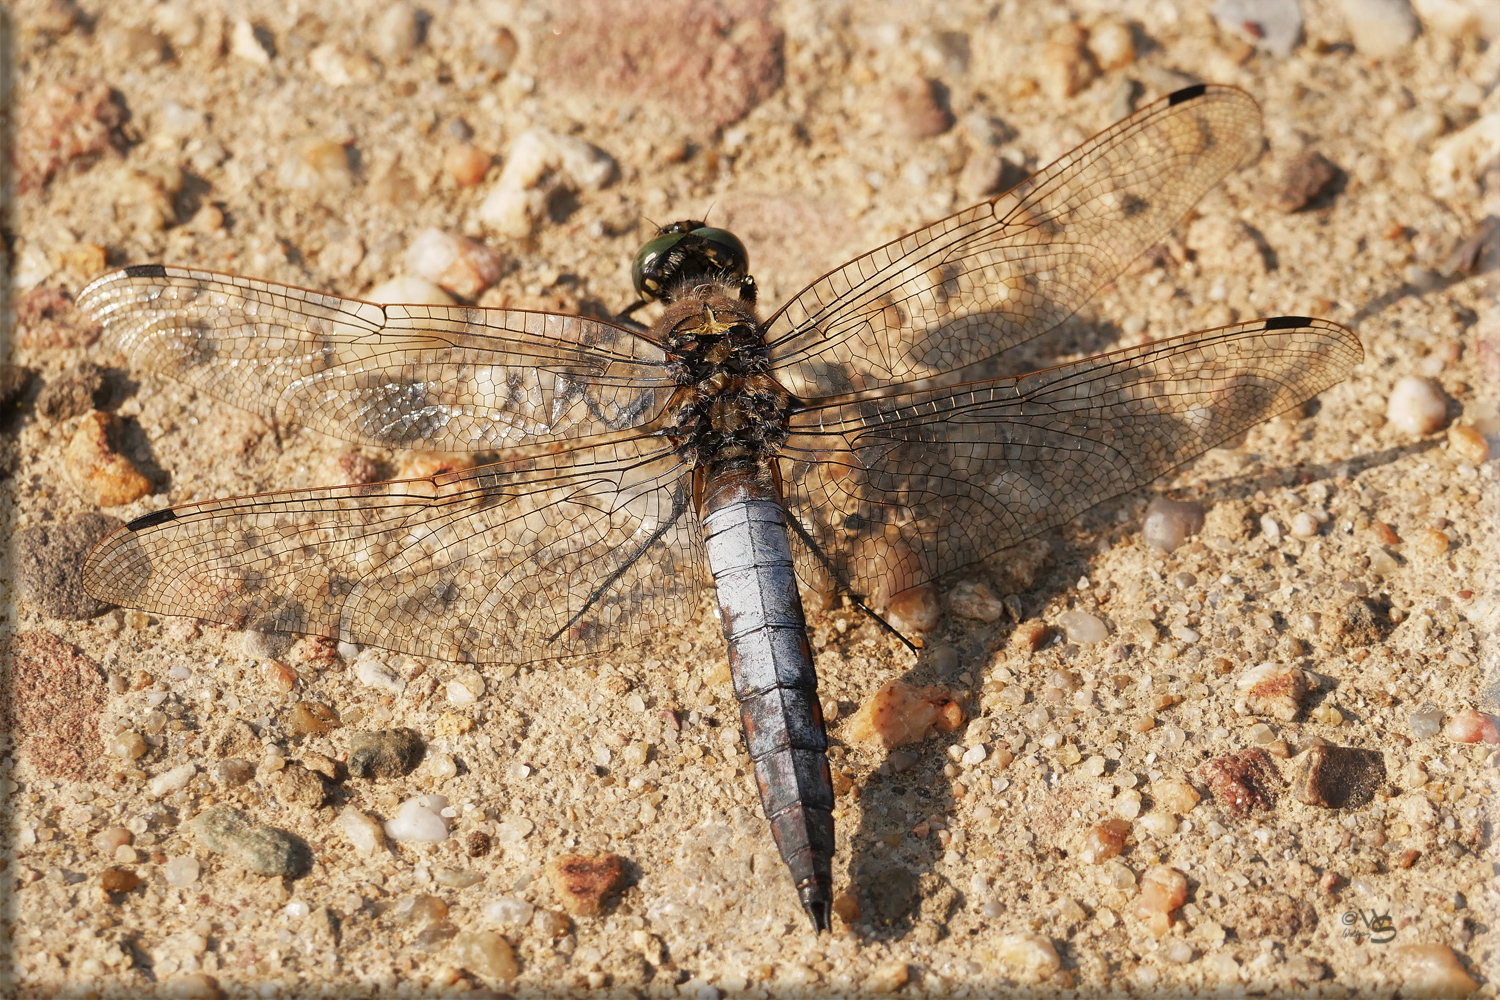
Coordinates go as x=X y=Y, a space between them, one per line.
x=558 y=555
x=899 y=489
x=1000 y=273
x=437 y=378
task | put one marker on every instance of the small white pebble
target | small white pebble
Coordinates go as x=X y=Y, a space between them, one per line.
x=110 y=840
x=181 y=872
x=1417 y=406
x=361 y=830
x=373 y=672
x=408 y=289
x=297 y=909
x=973 y=756
x=398 y=30
x=441 y=766
x=245 y=41
x=1082 y=627
x=1271 y=528
x=1169 y=523
x=1304 y=525
x=419 y=820
x=509 y=910
x=173 y=780
x=125 y=855
x=1128 y=804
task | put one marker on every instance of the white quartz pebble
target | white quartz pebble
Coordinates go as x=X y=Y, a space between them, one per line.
x=181 y=872
x=509 y=910
x=1169 y=523
x=173 y=780
x=1081 y=626
x=373 y=672
x=409 y=289
x=419 y=819
x=1417 y=406
x=362 y=831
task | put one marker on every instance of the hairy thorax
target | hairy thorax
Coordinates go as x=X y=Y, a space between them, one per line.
x=730 y=408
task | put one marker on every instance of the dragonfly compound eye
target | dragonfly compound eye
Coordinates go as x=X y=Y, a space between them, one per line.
x=687 y=253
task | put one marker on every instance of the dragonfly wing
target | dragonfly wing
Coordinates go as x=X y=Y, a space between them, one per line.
x=1000 y=273
x=436 y=378
x=901 y=489
x=554 y=555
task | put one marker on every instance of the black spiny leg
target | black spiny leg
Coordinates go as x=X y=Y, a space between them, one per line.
x=856 y=600
x=623 y=317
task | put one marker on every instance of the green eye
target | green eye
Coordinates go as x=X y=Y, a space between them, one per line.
x=687 y=253
x=644 y=271
x=725 y=249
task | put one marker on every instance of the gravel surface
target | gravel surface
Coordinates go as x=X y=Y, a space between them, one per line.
x=1250 y=753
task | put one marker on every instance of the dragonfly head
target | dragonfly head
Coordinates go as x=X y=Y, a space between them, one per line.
x=690 y=253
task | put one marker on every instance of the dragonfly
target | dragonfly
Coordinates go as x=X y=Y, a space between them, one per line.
x=859 y=439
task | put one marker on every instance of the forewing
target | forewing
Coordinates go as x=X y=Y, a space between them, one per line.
x=436 y=378
x=998 y=274
x=557 y=555
x=901 y=489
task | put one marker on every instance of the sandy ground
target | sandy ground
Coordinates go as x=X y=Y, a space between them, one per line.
x=306 y=144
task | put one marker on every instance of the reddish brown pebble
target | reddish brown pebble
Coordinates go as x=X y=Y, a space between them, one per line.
x=465 y=164
x=1163 y=890
x=1030 y=636
x=915 y=110
x=102 y=476
x=1468 y=444
x=278 y=675
x=583 y=882
x=45 y=318
x=917 y=609
x=1304 y=180
x=477 y=844
x=1274 y=690
x=733 y=53
x=421 y=464
x=1329 y=883
x=118 y=880
x=352 y=467
x=900 y=714
x=1104 y=841
x=1386 y=534
x=1470 y=726
x=1333 y=777
x=312 y=718
x=1243 y=781
x=1407 y=858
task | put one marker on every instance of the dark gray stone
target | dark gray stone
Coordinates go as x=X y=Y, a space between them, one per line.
x=49 y=563
x=384 y=753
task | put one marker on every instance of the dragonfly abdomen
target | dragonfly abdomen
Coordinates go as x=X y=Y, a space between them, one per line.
x=749 y=554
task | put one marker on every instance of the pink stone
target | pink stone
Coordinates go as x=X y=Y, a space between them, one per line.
x=1470 y=726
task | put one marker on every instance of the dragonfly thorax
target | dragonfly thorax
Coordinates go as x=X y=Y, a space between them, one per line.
x=730 y=407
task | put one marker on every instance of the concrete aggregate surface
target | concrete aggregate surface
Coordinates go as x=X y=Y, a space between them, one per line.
x=1260 y=763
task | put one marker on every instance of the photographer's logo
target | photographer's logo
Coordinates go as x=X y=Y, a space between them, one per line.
x=1362 y=925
